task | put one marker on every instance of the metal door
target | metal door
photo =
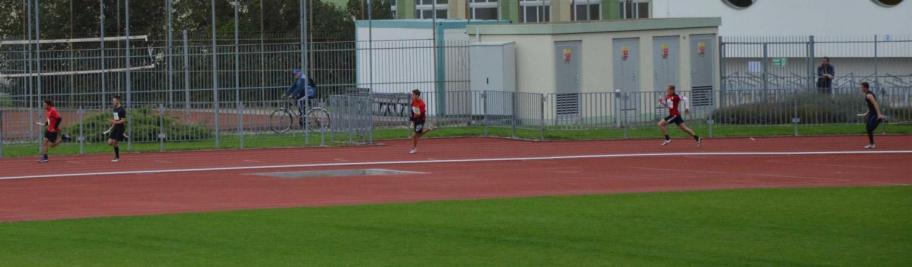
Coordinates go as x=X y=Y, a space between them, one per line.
x=567 y=76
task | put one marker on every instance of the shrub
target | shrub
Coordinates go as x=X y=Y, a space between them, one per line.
x=809 y=107
x=145 y=127
x=6 y=100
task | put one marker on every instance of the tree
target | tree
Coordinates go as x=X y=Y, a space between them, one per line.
x=380 y=9
x=148 y=17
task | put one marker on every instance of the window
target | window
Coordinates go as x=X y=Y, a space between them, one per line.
x=888 y=3
x=584 y=10
x=535 y=10
x=484 y=9
x=424 y=9
x=739 y=4
x=634 y=9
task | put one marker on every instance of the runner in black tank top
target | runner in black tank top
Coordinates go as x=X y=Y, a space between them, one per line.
x=874 y=115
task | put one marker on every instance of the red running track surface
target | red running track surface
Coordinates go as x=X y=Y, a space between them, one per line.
x=155 y=190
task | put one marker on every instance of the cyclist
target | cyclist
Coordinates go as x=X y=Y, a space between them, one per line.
x=302 y=89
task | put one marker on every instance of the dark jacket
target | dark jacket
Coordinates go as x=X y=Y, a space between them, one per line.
x=822 y=81
x=302 y=87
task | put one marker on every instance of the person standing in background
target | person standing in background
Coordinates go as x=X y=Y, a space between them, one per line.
x=825 y=75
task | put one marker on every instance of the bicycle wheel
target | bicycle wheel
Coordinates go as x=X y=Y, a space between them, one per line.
x=280 y=120
x=317 y=119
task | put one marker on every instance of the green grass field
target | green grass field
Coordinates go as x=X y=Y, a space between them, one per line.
x=773 y=227
x=276 y=141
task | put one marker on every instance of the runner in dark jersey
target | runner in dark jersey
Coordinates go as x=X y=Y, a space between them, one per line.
x=873 y=116
x=672 y=101
x=118 y=128
x=52 y=136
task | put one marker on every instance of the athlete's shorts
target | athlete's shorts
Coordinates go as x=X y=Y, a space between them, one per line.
x=676 y=119
x=871 y=122
x=117 y=134
x=418 y=126
x=50 y=136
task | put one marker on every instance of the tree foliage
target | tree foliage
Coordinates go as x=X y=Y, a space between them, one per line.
x=272 y=18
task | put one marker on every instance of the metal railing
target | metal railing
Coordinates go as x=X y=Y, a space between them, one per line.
x=355 y=118
x=791 y=62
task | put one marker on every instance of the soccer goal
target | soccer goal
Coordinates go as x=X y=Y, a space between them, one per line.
x=77 y=56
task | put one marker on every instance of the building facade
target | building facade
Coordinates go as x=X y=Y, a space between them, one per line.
x=523 y=11
x=739 y=17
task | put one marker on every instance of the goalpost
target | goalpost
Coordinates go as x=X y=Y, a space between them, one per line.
x=151 y=61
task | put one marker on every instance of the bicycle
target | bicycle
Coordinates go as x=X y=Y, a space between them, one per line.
x=282 y=119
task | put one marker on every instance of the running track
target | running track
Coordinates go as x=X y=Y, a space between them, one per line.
x=467 y=168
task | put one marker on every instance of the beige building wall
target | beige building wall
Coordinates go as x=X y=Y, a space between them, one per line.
x=535 y=59
x=535 y=64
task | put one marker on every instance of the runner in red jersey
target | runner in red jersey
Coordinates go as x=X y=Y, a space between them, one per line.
x=52 y=136
x=418 y=115
x=672 y=101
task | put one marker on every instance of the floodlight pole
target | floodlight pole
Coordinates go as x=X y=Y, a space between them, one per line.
x=302 y=14
x=38 y=54
x=237 y=76
x=101 y=27
x=30 y=68
x=370 y=43
x=215 y=93
x=128 y=80
x=168 y=54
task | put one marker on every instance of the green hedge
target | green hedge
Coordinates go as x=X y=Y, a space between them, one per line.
x=809 y=107
x=145 y=127
x=6 y=100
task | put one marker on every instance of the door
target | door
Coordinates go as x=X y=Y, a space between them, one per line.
x=626 y=62
x=665 y=60
x=702 y=68
x=567 y=75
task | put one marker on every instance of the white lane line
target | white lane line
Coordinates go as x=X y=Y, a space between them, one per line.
x=475 y=160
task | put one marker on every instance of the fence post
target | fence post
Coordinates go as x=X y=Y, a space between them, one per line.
x=484 y=112
x=812 y=72
x=81 y=137
x=306 y=104
x=370 y=115
x=1 y=133
x=323 y=134
x=617 y=108
x=765 y=67
x=709 y=123
x=795 y=118
x=876 y=63
x=721 y=71
x=348 y=119
x=541 y=120
x=161 y=128
x=240 y=127
x=186 y=73
x=624 y=112
x=513 y=113
x=332 y=130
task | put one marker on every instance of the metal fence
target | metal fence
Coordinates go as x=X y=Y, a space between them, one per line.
x=355 y=118
x=790 y=62
x=180 y=97
x=194 y=71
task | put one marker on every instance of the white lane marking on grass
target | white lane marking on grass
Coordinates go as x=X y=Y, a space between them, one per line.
x=474 y=160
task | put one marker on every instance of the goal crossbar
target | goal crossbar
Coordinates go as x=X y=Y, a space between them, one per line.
x=76 y=40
